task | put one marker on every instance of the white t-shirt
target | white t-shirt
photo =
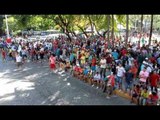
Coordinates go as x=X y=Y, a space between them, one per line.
x=97 y=77
x=120 y=71
x=23 y=52
x=103 y=63
x=19 y=48
x=18 y=58
x=42 y=49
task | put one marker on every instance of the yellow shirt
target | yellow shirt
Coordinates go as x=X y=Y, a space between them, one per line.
x=145 y=94
x=87 y=54
x=83 y=59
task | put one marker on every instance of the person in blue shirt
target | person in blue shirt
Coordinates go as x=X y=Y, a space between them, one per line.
x=85 y=73
x=128 y=80
x=115 y=55
x=58 y=52
x=71 y=58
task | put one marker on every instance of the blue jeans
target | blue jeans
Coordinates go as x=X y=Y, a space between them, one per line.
x=102 y=72
x=142 y=101
x=128 y=85
x=119 y=82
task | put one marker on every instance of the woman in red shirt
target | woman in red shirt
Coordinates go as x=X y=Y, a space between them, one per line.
x=52 y=62
x=154 y=78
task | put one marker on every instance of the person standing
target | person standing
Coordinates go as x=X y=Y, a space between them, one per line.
x=52 y=62
x=143 y=75
x=103 y=66
x=18 y=60
x=120 y=74
x=3 y=55
x=154 y=78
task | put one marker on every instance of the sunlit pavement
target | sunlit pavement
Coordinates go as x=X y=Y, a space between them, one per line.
x=34 y=84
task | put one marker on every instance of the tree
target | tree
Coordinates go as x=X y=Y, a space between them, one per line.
x=151 y=27
x=141 y=24
x=1 y=25
x=108 y=24
x=91 y=24
x=127 y=23
x=112 y=29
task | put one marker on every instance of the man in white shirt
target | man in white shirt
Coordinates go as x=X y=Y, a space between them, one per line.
x=18 y=60
x=120 y=74
x=96 y=79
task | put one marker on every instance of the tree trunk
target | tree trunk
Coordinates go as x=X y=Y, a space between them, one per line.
x=141 y=29
x=112 y=30
x=104 y=33
x=150 y=36
x=63 y=26
x=141 y=23
x=1 y=25
x=82 y=31
x=108 y=25
x=91 y=24
x=127 y=23
x=97 y=30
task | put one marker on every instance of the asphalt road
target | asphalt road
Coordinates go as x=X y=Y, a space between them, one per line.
x=34 y=84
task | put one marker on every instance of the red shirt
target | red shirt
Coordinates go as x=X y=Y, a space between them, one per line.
x=109 y=59
x=112 y=80
x=3 y=53
x=153 y=79
x=77 y=69
x=153 y=60
x=124 y=52
x=93 y=61
x=153 y=97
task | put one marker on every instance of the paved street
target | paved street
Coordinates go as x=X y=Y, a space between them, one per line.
x=34 y=84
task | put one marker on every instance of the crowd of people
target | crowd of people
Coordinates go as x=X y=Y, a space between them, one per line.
x=103 y=64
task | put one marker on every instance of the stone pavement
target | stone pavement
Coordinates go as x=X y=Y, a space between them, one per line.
x=34 y=84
